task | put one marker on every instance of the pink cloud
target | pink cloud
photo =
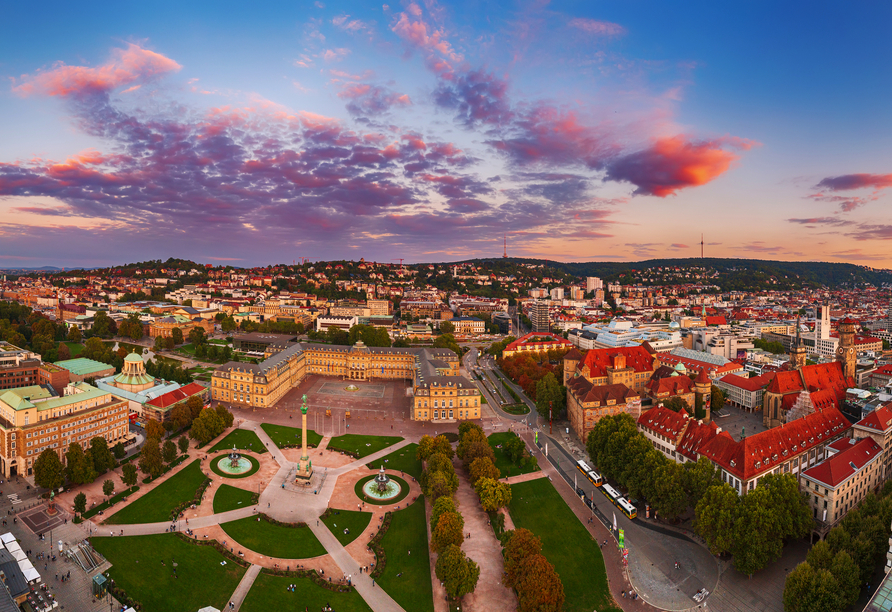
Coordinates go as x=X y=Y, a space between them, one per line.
x=133 y=65
x=675 y=163
x=335 y=55
x=599 y=28
x=430 y=41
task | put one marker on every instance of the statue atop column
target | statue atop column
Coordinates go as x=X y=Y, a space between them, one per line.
x=305 y=467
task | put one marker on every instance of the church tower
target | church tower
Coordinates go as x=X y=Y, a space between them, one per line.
x=797 y=352
x=846 y=354
x=703 y=394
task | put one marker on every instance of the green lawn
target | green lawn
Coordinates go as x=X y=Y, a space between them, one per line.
x=111 y=502
x=200 y=580
x=403 y=459
x=408 y=533
x=155 y=506
x=282 y=435
x=362 y=445
x=231 y=498
x=273 y=540
x=353 y=520
x=271 y=593
x=75 y=348
x=502 y=461
x=537 y=506
x=243 y=439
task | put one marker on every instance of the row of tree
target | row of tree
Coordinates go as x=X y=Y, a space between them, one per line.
x=481 y=468
x=830 y=578
x=540 y=378
x=530 y=574
x=458 y=573
x=81 y=466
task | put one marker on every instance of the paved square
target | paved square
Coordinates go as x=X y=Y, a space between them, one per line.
x=368 y=390
x=738 y=422
x=38 y=521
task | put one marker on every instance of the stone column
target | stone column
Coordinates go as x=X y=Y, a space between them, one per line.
x=305 y=468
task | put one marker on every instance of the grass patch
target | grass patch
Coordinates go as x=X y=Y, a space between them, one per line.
x=271 y=593
x=408 y=532
x=108 y=504
x=404 y=491
x=232 y=498
x=286 y=437
x=503 y=462
x=156 y=505
x=516 y=408
x=353 y=520
x=75 y=348
x=362 y=446
x=242 y=439
x=273 y=540
x=255 y=465
x=537 y=506
x=137 y=569
x=403 y=459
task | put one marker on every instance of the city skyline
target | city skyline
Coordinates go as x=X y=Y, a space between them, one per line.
x=430 y=132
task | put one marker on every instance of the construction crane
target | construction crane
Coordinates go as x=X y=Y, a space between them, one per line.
x=401 y=260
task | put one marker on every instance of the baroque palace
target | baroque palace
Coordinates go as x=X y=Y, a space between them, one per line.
x=439 y=392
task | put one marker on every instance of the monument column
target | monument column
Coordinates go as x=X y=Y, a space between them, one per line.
x=305 y=467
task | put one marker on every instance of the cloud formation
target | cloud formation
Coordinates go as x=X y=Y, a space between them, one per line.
x=598 y=28
x=846 y=182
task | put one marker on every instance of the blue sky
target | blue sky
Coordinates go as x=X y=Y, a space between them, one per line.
x=229 y=132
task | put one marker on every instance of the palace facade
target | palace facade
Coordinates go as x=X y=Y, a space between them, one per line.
x=439 y=392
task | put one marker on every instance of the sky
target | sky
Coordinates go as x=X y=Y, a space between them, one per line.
x=263 y=133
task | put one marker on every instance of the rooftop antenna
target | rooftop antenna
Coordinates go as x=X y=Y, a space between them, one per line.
x=701 y=246
x=505 y=252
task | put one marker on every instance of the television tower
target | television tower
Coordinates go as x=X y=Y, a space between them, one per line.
x=505 y=252
x=701 y=246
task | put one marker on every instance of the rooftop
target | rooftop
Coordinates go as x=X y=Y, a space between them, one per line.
x=835 y=470
x=82 y=366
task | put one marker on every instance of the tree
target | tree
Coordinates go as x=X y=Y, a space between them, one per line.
x=475 y=450
x=443 y=504
x=108 y=487
x=225 y=416
x=757 y=538
x=80 y=503
x=159 y=344
x=101 y=456
x=599 y=437
x=522 y=544
x=150 y=462
x=207 y=426
x=79 y=465
x=469 y=437
x=514 y=447
x=668 y=496
x=74 y=334
x=181 y=415
x=447 y=327
x=458 y=573
x=550 y=394
x=195 y=405
x=129 y=474
x=483 y=467
x=809 y=590
x=197 y=337
x=183 y=444
x=176 y=335
x=450 y=529
x=539 y=588
x=698 y=477
x=493 y=494
x=169 y=451
x=716 y=399
x=677 y=404
x=119 y=451
x=438 y=462
x=428 y=445
x=154 y=429
x=63 y=352
x=441 y=483
x=714 y=518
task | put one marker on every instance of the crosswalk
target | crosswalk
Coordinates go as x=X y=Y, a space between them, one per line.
x=14 y=498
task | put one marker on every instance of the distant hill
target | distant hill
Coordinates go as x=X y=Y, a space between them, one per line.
x=729 y=274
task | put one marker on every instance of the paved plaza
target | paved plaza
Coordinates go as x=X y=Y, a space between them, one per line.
x=738 y=422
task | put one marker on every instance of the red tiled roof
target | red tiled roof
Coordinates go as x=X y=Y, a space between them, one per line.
x=177 y=395
x=785 y=382
x=716 y=321
x=586 y=392
x=598 y=360
x=827 y=376
x=573 y=355
x=663 y=421
x=537 y=338
x=878 y=420
x=867 y=340
x=748 y=384
x=835 y=470
x=766 y=450
x=695 y=436
x=886 y=369
x=673 y=385
x=696 y=366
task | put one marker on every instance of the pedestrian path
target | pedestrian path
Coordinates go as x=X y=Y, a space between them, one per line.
x=264 y=437
x=377 y=599
x=238 y=597
x=525 y=477
x=369 y=458
x=323 y=444
x=155 y=528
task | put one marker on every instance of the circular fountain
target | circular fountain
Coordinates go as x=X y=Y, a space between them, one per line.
x=351 y=388
x=381 y=487
x=233 y=463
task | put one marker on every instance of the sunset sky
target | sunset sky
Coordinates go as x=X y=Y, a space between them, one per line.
x=254 y=133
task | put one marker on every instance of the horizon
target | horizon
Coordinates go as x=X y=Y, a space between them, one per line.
x=433 y=131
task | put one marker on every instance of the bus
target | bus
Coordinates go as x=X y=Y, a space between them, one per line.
x=592 y=475
x=619 y=501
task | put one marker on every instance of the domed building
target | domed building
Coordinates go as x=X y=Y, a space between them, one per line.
x=133 y=375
